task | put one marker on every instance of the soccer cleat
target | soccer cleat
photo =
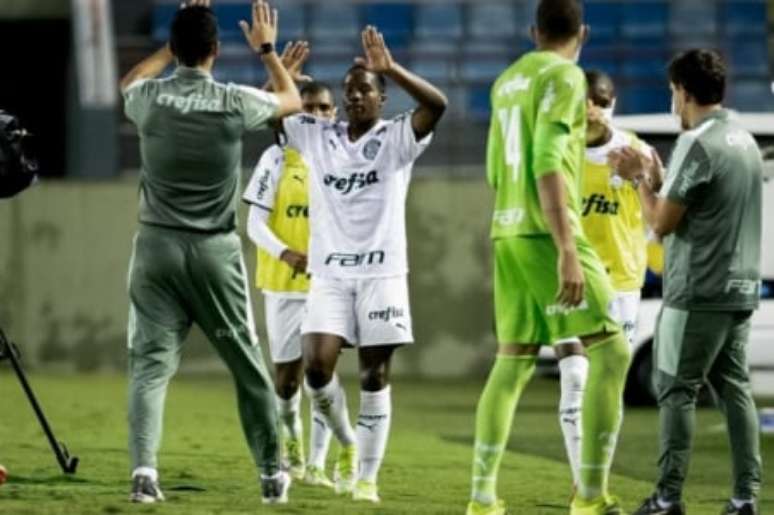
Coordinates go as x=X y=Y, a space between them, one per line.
x=294 y=452
x=346 y=469
x=145 y=490
x=651 y=506
x=274 y=489
x=366 y=491
x=476 y=508
x=601 y=506
x=315 y=476
x=747 y=508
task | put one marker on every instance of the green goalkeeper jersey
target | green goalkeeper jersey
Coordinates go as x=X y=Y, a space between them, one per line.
x=540 y=89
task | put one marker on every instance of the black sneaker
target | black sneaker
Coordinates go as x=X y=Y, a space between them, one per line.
x=748 y=508
x=650 y=506
x=145 y=490
x=274 y=489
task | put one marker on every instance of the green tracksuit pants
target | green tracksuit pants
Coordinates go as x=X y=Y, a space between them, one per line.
x=177 y=278
x=693 y=347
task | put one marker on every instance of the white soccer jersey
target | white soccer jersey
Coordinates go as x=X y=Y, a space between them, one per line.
x=357 y=194
x=262 y=187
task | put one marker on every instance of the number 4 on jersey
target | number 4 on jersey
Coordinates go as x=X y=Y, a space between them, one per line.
x=510 y=125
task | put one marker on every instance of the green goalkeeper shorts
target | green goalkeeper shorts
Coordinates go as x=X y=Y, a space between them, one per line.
x=526 y=284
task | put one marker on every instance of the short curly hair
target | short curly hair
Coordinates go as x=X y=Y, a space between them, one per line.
x=701 y=73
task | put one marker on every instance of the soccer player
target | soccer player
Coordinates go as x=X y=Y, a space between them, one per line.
x=549 y=283
x=612 y=220
x=187 y=261
x=360 y=173
x=709 y=213
x=278 y=223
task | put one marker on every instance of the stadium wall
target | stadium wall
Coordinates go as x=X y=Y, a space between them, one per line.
x=65 y=252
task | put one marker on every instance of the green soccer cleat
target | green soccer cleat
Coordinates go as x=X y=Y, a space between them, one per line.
x=600 y=506
x=315 y=476
x=476 y=508
x=366 y=491
x=346 y=469
x=294 y=453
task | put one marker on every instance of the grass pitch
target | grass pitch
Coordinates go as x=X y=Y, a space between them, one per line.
x=205 y=466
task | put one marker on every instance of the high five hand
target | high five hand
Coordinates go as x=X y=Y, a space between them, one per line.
x=377 y=56
x=192 y=3
x=293 y=57
x=264 y=27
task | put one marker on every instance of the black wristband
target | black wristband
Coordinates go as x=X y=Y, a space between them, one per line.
x=266 y=48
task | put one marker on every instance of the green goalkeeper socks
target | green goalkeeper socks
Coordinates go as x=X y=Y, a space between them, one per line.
x=602 y=413
x=494 y=416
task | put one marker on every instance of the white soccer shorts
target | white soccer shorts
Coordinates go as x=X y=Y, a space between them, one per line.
x=283 y=327
x=365 y=312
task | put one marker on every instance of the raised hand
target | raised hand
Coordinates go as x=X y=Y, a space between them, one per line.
x=377 y=58
x=293 y=57
x=192 y=3
x=264 y=26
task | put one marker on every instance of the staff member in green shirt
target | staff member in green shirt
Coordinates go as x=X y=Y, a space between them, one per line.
x=187 y=264
x=709 y=213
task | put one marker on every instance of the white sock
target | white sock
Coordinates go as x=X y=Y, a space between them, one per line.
x=331 y=403
x=152 y=473
x=738 y=503
x=373 y=427
x=574 y=370
x=290 y=415
x=319 y=438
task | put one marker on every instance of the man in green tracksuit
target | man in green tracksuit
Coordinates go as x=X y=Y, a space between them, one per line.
x=709 y=212
x=187 y=264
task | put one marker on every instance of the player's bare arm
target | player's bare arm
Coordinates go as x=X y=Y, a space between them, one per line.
x=153 y=65
x=553 y=202
x=261 y=35
x=148 y=68
x=296 y=260
x=432 y=102
x=663 y=215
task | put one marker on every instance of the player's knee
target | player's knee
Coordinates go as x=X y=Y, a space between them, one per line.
x=317 y=374
x=373 y=379
x=286 y=388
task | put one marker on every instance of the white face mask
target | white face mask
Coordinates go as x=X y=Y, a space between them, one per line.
x=607 y=113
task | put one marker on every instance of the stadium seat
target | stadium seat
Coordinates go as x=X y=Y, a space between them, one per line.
x=292 y=21
x=493 y=20
x=394 y=20
x=744 y=18
x=752 y=95
x=646 y=63
x=689 y=18
x=644 y=20
x=606 y=62
x=482 y=69
x=435 y=69
x=749 y=58
x=162 y=18
x=331 y=71
x=439 y=20
x=604 y=18
x=398 y=101
x=334 y=23
x=478 y=103
x=651 y=97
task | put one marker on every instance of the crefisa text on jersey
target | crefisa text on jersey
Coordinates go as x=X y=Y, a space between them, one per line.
x=356 y=181
x=375 y=257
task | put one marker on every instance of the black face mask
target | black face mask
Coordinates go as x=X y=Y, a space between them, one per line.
x=17 y=166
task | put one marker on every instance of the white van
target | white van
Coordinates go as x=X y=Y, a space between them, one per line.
x=661 y=131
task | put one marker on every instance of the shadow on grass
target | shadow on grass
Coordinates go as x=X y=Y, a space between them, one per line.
x=49 y=480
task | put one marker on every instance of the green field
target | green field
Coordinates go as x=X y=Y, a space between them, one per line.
x=205 y=467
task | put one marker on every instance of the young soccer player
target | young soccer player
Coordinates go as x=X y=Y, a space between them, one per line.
x=612 y=219
x=187 y=261
x=278 y=223
x=360 y=173
x=549 y=283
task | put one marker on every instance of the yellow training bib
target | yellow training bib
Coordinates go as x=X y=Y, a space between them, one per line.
x=612 y=216
x=290 y=222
